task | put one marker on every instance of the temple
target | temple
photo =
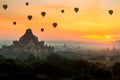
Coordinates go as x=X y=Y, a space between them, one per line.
x=29 y=43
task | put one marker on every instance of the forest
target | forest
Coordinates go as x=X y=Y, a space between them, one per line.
x=55 y=67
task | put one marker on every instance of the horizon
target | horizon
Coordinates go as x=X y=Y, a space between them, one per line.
x=92 y=23
x=74 y=40
x=62 y=40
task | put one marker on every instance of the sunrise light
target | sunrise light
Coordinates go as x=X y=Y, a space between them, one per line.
x=92 y=22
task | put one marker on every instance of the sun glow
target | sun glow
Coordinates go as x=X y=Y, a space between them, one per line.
x=108 y=36
x=103 y=38
x=91 y=22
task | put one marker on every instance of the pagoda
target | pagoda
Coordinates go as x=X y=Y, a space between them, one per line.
x=29 y=43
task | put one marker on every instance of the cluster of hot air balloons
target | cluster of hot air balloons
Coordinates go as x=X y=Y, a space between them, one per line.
x=43 y=14
x=5 y=6
x=76 y=9
x=29 y=17
x=53 y=24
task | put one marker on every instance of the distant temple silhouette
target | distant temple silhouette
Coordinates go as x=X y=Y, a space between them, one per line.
x=29 y=43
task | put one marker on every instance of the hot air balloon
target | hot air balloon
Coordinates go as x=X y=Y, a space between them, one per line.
x=30 y=17
x=27 y=3
x=42 y=29
x=43 y=13
x=76 y=9
x=54 y=25
x=14 y=23
x=5 y=6
x=110 y=12
x=62 y=11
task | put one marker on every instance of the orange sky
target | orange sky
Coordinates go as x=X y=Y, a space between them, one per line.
x=92 y=22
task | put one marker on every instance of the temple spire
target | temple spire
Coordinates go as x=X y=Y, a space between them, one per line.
x=28 y=31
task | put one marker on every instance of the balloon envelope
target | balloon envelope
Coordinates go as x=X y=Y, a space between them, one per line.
x=42 y=29
x=62 y=11
x=5 y=6
x=110 y=12
x=76 y=9
x=14 y=23
x=30 y=17
x=27 y=3
x=43 y=13
x=54 y=25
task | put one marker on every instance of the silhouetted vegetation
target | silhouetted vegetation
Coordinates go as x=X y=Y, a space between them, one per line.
x=55 y=67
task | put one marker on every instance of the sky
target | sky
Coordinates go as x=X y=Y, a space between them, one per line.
x=91 y=23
